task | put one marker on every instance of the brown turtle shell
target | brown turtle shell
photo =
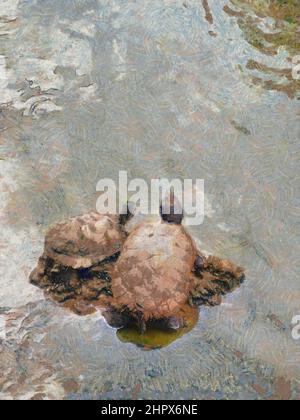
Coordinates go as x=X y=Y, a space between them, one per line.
x=84 y=241
x=152 y=276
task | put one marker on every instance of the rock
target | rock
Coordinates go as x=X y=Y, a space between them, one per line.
x=154 y=372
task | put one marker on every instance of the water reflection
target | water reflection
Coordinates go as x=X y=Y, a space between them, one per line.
x=272 y=28
x=156 y=338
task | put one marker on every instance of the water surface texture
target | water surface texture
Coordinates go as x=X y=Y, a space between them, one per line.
x=188 y=89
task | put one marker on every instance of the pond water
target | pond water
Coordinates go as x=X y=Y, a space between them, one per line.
x=178 y=89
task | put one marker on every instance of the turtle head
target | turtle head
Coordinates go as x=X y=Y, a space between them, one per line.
x=171 y=210
x=126 y=214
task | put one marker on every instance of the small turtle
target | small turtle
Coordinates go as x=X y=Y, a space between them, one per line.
x=76 y=255
x=156 y=273
x=84 y=241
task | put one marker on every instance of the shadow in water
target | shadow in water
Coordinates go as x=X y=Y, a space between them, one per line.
x=155 y=337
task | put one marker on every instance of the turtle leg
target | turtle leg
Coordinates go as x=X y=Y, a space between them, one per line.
x=115 y=319
x=225 y=270
x=199 y=264
x=214 y=278
x=39 y=272
x=45 y=272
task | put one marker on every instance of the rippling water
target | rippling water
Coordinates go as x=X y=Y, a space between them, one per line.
x=190 y=89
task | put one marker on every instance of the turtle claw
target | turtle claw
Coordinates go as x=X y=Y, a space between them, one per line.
x=199 y=264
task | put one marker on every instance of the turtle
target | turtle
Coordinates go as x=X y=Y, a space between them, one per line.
x=84 y=241
x=159 y=270
x=77 y=254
